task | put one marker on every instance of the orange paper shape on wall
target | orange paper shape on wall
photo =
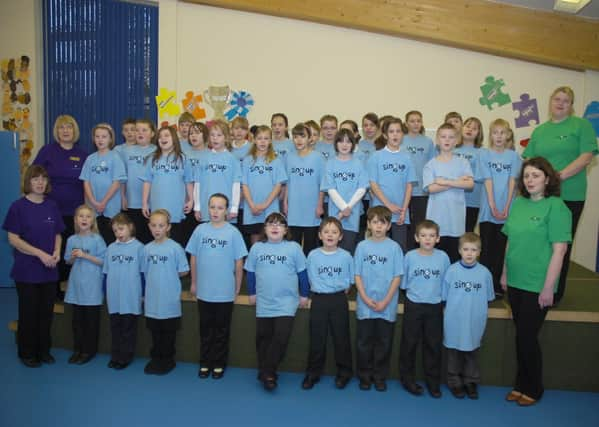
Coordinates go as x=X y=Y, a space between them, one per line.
x=166 y=101
x=191 y=104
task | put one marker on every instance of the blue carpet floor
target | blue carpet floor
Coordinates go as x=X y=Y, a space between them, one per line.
x=93 y=395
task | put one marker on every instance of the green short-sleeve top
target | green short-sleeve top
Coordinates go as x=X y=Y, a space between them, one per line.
x=531 y=228
x=561 y=143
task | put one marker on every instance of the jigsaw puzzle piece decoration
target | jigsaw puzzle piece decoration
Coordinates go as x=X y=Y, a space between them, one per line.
x=191 y=104
x=241 y=103
x=528 y=111
x=492 y=93
x=166 y=101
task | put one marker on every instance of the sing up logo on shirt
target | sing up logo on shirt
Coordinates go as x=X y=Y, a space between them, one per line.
x=427 y=273
x=325 y=154
x=261 y=169
x=330 y=270
x=302 y=171
x=467 y=286
x=375 y=259
x=157 y=259
x=414 y=150
x=194 y=162
x=213 y=243
x=272 y=258
x=136 y=159
x=101 y=168
x=168 y=167
x=122 y=259
x=344 y=176
x=467 y=156
x=215 y=167
x=498 y=166
x=394 y=167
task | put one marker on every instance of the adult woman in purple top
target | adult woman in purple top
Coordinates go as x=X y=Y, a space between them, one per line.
x=63 y=161
x=34 y=224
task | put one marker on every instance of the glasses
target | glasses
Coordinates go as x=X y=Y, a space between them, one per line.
x=275 y=224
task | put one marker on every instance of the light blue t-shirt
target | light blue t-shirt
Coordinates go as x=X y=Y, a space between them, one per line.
x=392 y=171
x=217 y=173
x=85 y=279
x=447 y=208
x=326 y=150
x=345 y=176
x=135 y=164
x=364 y=150
x=162 y=263
x=424 y=276
x=330 y=272
x=241 y=152
x=421 y=149
x=186 y=147
x=260 y=178
x=378 y=263
x=499 y=168
x=120 y=150
x=168 y=177
x=216 y=250
x=304 y=177
x=283 y=148
x=122 y=267
x=467 y=292
x=276 y=266
x=101 y=171
x=471 y=154
x=193 y=159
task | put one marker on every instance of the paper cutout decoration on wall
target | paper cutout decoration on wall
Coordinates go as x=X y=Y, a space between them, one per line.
x=591 y=113
x=166 y=101
x=16 y=103
x=241 y=102
x=528 y=112
x=524 y=142
x=191 y=104
x=492 y=93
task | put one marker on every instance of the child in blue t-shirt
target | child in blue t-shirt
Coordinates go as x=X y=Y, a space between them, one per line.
x=303 y=201
x=281 y=143
x=346 y=182
x=122 y=267
x=378 y=265
x=331 y=272
x=423 y=310
x=445 y=178
x=276 y=268
x=85 y=252
x=392 y=175
x=217 y=250
x=164 y=262
x=102 y=175
x=498 y=170
x=467 y=290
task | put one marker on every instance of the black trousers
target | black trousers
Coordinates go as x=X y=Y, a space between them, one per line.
x=215 y=329
x=272 y=337
x=142 y=231
x=307 y=235
x=64 y=269
x=471 y=218
x=177 y=234
x=576 y=209
x=36 y=309
x=450 y=245
x=329 y=311
x=123 y=329
x=399 y=233
x=493 y=243
x=421 y=323
x=528 y=320
x=349 y=241
x=189 y=224
x=105 y=229
x=86 y=328
x=374 y=338
x=462 y=367
x=417 y=214
x=164 y=334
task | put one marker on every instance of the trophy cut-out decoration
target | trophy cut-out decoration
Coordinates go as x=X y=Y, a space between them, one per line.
x=218 y=98
x=241 y=103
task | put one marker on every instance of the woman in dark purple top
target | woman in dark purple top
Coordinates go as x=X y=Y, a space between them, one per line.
x=63 y=160
x=34 y=224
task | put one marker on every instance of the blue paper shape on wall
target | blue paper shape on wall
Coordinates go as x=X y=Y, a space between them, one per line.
x=241 y=103
x=591 y=113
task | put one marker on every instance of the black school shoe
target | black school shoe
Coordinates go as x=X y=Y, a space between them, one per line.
x=365 y=384
x=269 y=383
x=380 y=385
x=413 y=388
x=48 y=359
x=204 y=372
x=471 y=391
x=218 y=373
x=165 y=366
x=309 y=382
x=74 y=357
x=458 y=392
x=84 y=358
x=434 y=390
x=31 y=362
x=341 y=382
x=151 y=367
x=112 y=364
x=121 y=365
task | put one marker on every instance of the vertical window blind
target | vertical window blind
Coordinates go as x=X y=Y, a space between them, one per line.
x=100 y=63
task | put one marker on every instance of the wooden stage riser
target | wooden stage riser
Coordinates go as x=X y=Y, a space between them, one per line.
x=570 y=349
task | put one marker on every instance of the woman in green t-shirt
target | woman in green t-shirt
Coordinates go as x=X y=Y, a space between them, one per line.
x=538 y=231
x=569 y=143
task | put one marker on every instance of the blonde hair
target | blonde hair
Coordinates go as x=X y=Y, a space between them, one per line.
x=240 y=122
x=94 y=226
x=66 y=119
x=568 y=91
x=504 y=124
x=106 y=127
x=469 y=237
x=164 y=213
x=478 y=141
x=224 y=128
x=270 y=152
